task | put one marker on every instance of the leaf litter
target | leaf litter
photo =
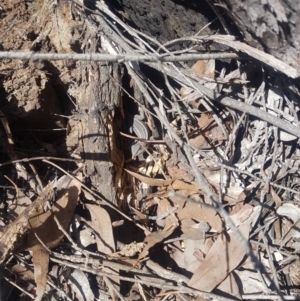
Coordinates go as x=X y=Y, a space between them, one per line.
x=208 y=209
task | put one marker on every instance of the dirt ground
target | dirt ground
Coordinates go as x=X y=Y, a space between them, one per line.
x=35 y=94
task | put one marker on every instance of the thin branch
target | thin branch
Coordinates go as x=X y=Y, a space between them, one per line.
x=119 y=58
x=40 y=158
x=18 y=287
x=164 y=285
x=230 y=102
x=265 y=58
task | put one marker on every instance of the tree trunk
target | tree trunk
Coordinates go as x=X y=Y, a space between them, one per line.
x=273 y=26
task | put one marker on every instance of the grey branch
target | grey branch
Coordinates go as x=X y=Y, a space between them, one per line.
x=134 y=57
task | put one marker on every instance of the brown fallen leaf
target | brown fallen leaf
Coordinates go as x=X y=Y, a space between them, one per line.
x=241 y=212
x=22 y=272
x=193 y=254
x=293 y=232
x=171 y=223
x=154 y=238
x=197 y=138
x=289 y=210
x=139 y=215
x=199 y=298
x=177 y=173
x=40 y=258
x=197 y=196
x=149 y=181
x=278 y=203
x=101 y=223
x=204 y=67
x=14 y=236
x=181 y=185
x=188 y=232
x=222 y=258
x=230 y=287
x=208 y=215
x=80 y=286
x=43 y=227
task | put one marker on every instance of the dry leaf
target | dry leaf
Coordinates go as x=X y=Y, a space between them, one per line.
x=193 y=255
x=149 y=181
x=197 y=139
x=14 y=236
x=253 y=282
x=153 y=238
x=22 y=272
x=160 y=163
x=199 y=255
x=80 y=285
x=278 y=202
x=40 y=258
x=181 y=185
x=276 y=198
x=245 y=214
x=294 y=232
x=138 y=215
x=164 y=207
x=294 y=273
x=292 y=212
x=188 y=231
x=241 y=213
x=32 y=221
x=101 y=223
x=44 y=225
x=204 y=67
x=199 y=298
x=178 y=173
x=205 y=120
x=230 y=287
x=46 y=229
x=222 y=258
x=199 y=213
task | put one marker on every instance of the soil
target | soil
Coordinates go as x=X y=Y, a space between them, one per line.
x=34 y=95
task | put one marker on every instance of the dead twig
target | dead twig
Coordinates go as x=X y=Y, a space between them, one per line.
x=152 y=283
x=119 y=58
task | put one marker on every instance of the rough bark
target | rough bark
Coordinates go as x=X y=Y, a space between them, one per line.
x=273 y=26
x=99 y=95
x=166 y=20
